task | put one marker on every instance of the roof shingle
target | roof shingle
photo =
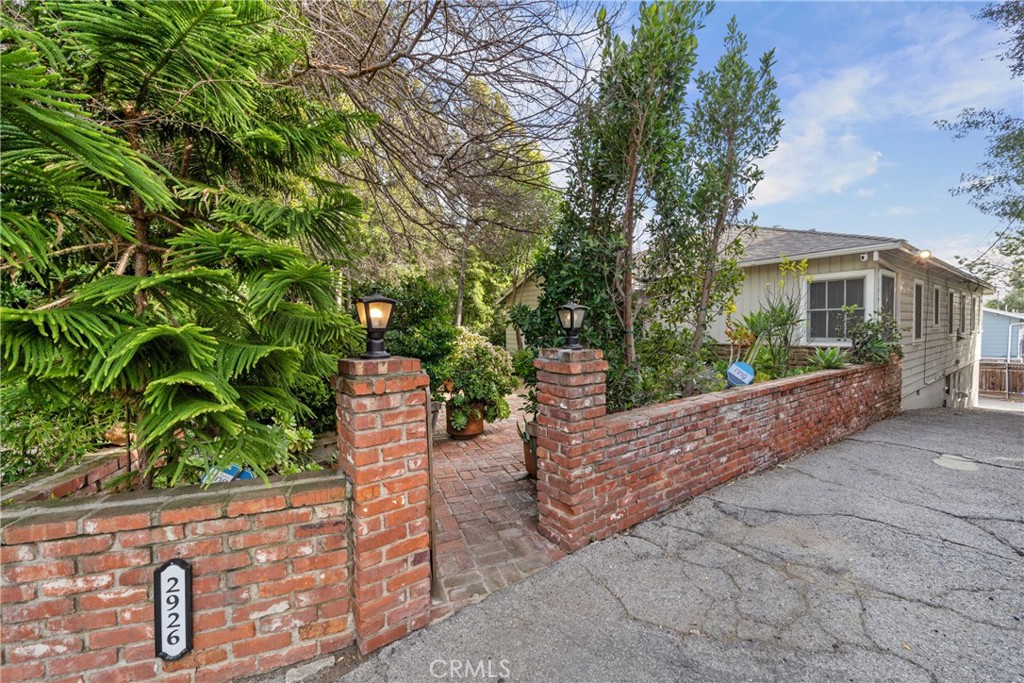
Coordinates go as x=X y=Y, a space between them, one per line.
x=771 y=243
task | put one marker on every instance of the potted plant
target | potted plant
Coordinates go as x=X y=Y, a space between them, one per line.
x=527 y=432
x=480 y=376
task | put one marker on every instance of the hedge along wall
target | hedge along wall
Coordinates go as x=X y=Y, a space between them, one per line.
x=601 y=474
x=270 y=571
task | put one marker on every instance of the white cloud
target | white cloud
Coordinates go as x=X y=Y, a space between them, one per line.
x=895 y=211
x=945 y=62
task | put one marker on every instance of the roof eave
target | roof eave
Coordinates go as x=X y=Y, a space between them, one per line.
x=950 y=268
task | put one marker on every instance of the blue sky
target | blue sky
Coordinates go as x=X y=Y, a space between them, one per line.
x=861 y=84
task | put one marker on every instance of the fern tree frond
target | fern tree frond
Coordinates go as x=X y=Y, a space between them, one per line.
x=32 y=102
x=139 y=355
x=277 y=364
x=163 y=186
x=54 y=342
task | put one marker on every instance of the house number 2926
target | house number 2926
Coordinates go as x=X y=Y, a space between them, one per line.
x=173 y=593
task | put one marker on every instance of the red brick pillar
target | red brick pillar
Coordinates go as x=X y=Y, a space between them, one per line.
x=570 y=405
x=382 y=447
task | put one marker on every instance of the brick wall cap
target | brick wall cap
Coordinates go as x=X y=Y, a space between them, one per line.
x=141 y=508
x=570 y=355
x=107 y=505
x=20 y=523
x=368 y=367
x=43 y=484
x=337 y=485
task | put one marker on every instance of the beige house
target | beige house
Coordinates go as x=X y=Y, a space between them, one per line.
x=526 y=291
x=938 y=305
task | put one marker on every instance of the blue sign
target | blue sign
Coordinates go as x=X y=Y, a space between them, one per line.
x=229 y=473
x=739 y=375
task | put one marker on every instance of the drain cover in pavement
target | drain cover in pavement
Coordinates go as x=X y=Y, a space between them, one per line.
x=956 y=462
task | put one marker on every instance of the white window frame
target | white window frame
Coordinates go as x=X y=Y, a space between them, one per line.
x=805 y=295
x=913 y=315
x=936 y=316
x=895 y=291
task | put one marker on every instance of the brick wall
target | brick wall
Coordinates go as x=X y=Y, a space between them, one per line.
x=281 y=574
x=86 y=477
x=601 y=474
x=270 y=580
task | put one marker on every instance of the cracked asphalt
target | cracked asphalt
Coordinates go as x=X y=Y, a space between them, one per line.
x=864 y=561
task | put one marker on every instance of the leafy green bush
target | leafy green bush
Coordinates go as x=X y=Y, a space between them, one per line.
x=874 y=340
x=522 y=363
x=317 y=395
x=47 y=426
x=669 y=369
x=495 y=331
x=827 y=358
x=480 y=373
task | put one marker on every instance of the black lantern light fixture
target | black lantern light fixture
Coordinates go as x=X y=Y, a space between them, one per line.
x=570 y=317
x=375 y=314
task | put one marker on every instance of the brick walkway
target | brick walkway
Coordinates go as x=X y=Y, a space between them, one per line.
x=485 y=515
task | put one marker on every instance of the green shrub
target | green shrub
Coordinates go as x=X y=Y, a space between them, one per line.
x=875 y=340
x=480 y=372
x=827 y=359
x=522 y=364
x=47 y=426
x=317 y=395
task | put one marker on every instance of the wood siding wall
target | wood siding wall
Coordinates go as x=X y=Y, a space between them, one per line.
x=929 y=359
x=527 y=292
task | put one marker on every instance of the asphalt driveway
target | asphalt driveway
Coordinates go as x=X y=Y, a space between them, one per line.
x=865 y=561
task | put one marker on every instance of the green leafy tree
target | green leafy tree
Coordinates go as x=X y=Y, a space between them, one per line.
x=162 y=189
x=697 y=237
x=997 y=187
x=640 y=115
x=619 y=154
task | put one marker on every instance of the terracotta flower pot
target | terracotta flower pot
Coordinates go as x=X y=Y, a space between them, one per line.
x=474 y=427
x=530 y=451
x=435 y=408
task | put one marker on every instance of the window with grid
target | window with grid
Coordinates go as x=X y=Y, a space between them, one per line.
x=889 y=295
x=824 y=303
